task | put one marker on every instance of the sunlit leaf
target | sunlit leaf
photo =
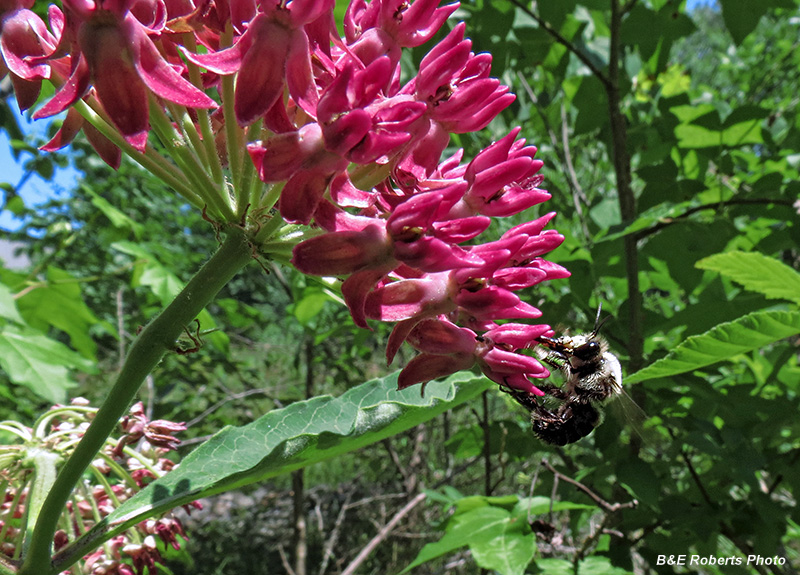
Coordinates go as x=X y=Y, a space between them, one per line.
x=8 y=309
x=756 y=272
x=509 y=552
x=694 y=136
x=310 y=304
x=39 y=363
x=480 y=524
x=555 y=566
x=723 y=342
x=539 y=505
x=117 y=218
x=598 y=565
x=58 y=303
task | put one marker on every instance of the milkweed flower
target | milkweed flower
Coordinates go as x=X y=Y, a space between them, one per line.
x=24 y=37
x=348 y=152
x=118 y=472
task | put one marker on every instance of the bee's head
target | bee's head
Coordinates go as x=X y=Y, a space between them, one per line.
x=588 y=351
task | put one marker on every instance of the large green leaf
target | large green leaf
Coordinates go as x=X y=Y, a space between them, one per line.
x=756 y=272
x=495 y=536
x=723 y=342
x=42 y=364
x=694 y=136
x=303 y=433
x=510 y=551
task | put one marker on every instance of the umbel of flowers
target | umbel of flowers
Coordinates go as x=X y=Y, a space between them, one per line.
x=127 y=462
x=348 y=153
x=307 y=148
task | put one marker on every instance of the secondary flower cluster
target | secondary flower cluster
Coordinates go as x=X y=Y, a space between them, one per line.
x=342 y=141
x=123 y=467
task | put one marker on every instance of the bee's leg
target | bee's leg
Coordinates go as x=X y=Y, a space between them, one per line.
x=554 y=359
x=553 y=344
x=553 y=391
x=524 y=398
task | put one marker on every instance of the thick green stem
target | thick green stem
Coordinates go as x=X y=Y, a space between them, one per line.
x=44 y=463
x=156 y=339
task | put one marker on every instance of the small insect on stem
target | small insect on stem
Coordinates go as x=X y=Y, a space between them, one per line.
x=195 y=338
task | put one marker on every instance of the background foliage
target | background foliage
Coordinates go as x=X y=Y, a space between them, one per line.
x=672 y=146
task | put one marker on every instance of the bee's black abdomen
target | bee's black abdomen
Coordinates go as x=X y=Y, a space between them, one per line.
x=568 y=424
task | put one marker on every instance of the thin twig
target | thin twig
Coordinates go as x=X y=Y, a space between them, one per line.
x=715 y=206
x=401 y=469
x=578 y=195
x=487 y=453
x=590 y=540
x=327 y=552
x=605 y=505
x=383 y=533
x=222 y=402
x=373 y=499
x=150 y=384
x=560 y=149
x=285 y=561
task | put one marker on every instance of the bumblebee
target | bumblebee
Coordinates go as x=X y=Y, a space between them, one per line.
x=592 y=376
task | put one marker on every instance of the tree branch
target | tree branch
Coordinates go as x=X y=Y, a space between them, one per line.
x=712 y=206
x=564 y=42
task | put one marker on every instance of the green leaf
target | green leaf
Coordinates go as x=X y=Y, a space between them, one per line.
x=8 y=308
x=598 y=565
x=539 y=505
x=15 y=205
x=117 y=218
x=692 y=136
x=741 y=16
x=723 y=342
x=39 y=363
x=509 y=552
x=658 y=214
x=303 y=433
x=482 y=523
x=59 y=304
x=555 y=566
x=756 y=272
x=310 y=304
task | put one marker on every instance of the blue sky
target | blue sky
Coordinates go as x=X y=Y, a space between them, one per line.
x=35 y=190
x=692 y=4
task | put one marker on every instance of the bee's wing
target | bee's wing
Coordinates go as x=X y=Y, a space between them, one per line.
x=629 y=414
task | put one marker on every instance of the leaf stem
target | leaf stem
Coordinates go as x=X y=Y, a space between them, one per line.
x=153 y=342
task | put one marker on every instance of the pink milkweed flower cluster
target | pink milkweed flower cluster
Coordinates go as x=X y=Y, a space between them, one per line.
x=124 y=465
x=342 y=141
